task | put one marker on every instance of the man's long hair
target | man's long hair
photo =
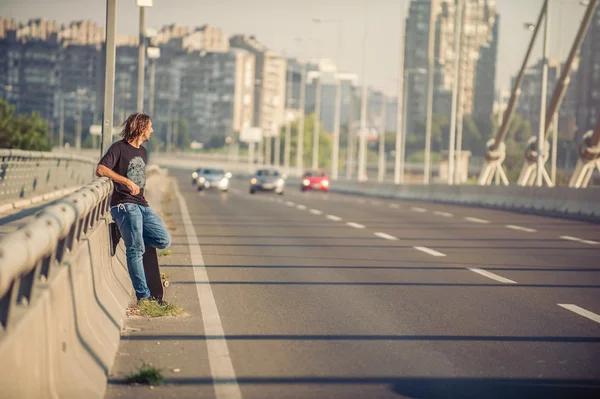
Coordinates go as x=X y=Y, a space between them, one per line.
x=134 y=126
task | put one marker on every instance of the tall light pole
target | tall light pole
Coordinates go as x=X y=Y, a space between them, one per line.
x=301 y=116
x=61 y=121
x=430 y=80
x=79 y=127
x=351 y=137
x=153 y=55
x=338 y=99
x=400 y=140
x=455 y=87
x=381 y=163
x=142 y=4
x=288 y=132
x=407 y=74
x=317 y=122
x=109 y=74
x=362 y=150
x=541 y=133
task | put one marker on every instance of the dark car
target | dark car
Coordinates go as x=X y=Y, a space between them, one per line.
x=267 y=180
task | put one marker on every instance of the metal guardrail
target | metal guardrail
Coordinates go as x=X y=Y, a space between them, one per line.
x=24 y=174
x=29 y=255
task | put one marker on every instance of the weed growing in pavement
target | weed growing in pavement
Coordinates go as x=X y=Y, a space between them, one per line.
x=165 y=252
x=168 y=198
x=157 y=309
x=147 y=374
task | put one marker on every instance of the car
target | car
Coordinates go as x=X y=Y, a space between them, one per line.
x=195 y=175
x=267 y=180
x=315 y=180
x=216 y=178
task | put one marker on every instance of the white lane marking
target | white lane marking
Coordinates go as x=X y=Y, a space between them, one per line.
x=396 y=206
x=316 y=212
x=301 y=207
x=419 y=210
x=334 y=218
x=570 y=238
x=429 y=251
x=355 y=225
x=589 y=242
x=579 y=240
x=580 y=311
x=491 y=275
x=444 y=214
x=520 y=228
x=289 y=203
x=476 y=220
x=386 y=236
x=219 y=358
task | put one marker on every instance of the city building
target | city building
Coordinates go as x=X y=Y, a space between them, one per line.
x=269 y=86
x=485 y=75
x=588 y=79
x=478 y=56
x=216 y=92
x=528 y=106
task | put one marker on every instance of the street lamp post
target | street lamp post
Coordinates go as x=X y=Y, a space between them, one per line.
x=109 y=76
x=400 y=140
x=288 y=132
x=142 y=4
x=338 y=100
x=541 y=133
x=407 y=74
x=381 y=163
x=153 y=55
x=362 y=150
x=301 y=117
x=455 y=88
x=317 y=122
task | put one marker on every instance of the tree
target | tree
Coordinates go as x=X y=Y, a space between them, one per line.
x=24 y=132
x=184 y=137
x=325 y=144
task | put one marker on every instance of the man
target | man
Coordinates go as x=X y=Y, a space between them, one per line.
x=125 y=164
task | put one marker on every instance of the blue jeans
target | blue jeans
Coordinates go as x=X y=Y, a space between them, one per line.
x=139 y=226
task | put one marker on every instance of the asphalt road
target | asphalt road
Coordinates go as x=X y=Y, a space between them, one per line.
x=331 y=296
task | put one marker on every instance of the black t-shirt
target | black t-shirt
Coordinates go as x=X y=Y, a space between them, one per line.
x=130 y=162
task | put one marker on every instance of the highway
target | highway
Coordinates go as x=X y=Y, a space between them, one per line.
x=312 y=295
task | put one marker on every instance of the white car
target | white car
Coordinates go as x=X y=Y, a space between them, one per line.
x=213 y=178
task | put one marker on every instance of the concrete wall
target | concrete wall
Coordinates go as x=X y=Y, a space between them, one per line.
x=558 y=201
x=62 y=300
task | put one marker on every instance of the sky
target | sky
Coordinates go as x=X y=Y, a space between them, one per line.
x=278 y=23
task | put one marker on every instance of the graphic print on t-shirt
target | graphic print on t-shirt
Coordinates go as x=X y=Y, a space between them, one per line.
x=136 y=171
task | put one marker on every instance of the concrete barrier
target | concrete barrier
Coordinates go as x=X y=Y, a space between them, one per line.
x=583 y=204
x=62 y=300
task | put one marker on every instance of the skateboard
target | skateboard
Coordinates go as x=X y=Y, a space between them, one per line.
x=115 y=236
x=157 y=281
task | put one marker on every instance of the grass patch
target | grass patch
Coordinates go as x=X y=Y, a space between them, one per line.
x=147 y=374
x=165 y=252
x=155 y=309
x=168 y=198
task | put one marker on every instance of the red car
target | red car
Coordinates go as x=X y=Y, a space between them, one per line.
x=315 y=180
